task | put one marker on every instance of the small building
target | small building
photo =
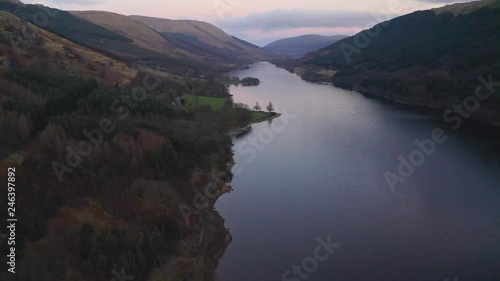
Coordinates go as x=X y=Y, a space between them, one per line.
x=180 y=100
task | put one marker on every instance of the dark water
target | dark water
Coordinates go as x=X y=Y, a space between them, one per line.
x=323 y=174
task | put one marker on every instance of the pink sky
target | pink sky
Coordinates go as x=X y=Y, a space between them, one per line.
x=219 y=12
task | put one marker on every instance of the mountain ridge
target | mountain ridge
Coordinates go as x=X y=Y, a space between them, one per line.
x=298 y=46
x=189 y=44
x=140 y=33
x=208 y=34
x=464 y=8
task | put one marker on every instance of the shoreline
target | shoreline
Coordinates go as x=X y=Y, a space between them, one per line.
x=246 y=128
x=212 y=232
x=210 y=219
x=481 y=120
x=427 y=109
x=214 y=238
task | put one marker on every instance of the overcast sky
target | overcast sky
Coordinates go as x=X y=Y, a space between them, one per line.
x=263 y=21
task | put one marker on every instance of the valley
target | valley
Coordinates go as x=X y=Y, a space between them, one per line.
x=148 y=148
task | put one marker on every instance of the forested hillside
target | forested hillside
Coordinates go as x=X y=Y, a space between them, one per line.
x=431 y=58
x=109 y=164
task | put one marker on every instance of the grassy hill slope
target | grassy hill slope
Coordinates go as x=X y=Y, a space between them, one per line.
x=139 y=33
x=83 y=32
x=198 y=36
x=38 y=49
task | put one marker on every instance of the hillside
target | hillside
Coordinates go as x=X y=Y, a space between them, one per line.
x=85 y=33
x=297 y=47
x=114 y=206
x=38 y=49
x=431 y=58
x=466 y=8
x=139 y=33
x=203 y=38
x=187 y=46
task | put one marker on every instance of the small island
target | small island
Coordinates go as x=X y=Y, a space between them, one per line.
x=247 y=81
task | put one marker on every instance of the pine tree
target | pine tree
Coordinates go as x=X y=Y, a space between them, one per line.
x=257 y=107
x=270 y=107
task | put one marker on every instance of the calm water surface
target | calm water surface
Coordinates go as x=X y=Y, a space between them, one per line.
x=321 y=173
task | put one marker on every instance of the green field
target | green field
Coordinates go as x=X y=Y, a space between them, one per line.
x=218 y=103
x=215 y=103
x=256 y=115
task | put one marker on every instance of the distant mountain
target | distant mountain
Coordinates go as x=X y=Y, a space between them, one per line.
x=204 y=39
x=297 y=47
x=431 y=58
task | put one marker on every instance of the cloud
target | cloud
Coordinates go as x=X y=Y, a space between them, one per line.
x=290 y=19
x=261 y=38
x=78 y=2
x=443 y=1
x=263 y=27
